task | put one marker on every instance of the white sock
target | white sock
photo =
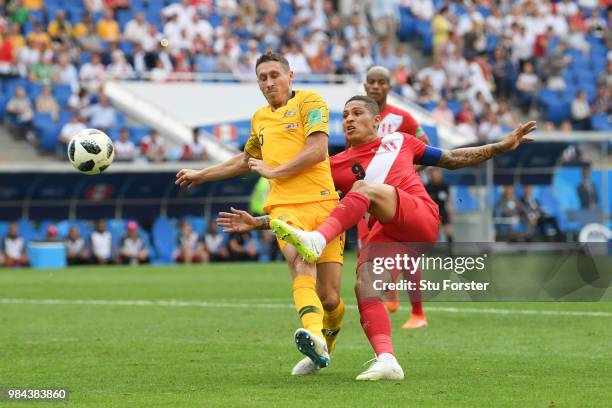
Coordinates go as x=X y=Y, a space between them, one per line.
x=320 y=238
x=387 y=358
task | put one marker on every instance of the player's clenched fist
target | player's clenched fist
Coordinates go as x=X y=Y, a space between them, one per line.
x=188 y=178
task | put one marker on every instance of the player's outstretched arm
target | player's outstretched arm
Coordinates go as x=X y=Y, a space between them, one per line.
x=241 y=221
x=232 y=167
x=314 y=151
x=469 y=156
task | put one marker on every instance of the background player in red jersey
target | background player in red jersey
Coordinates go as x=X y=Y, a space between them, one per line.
x=378 y=177
x=393 y=119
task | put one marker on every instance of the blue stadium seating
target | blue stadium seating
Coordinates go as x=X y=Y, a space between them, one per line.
x=601 y=122
x=164 y=238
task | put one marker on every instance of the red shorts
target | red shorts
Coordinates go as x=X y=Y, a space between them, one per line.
x=415 y=220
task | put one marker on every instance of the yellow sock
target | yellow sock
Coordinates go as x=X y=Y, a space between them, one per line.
x=332 y=322
x=308 y=304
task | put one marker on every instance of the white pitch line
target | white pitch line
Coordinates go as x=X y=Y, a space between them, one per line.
x=195 y=303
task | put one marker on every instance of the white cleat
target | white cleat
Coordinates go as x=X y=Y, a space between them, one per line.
x=385 y=367
x=305 y=367
x=313 y=347
x=309 y=244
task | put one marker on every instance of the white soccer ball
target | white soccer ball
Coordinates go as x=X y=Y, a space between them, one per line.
x=91 y=151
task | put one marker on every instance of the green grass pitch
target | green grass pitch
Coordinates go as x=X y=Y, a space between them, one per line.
x=226 y=341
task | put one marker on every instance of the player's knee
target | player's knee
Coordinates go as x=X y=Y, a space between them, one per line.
x=330 y=299
x=360 y=186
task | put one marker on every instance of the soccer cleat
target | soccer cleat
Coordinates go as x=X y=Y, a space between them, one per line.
x=313 y=347
x=415 y=321
x=382 y=369
x=392 y=301
x=305 y=367
x=309 y=244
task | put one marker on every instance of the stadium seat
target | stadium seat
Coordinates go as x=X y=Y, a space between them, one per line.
x=11 y=84
x=164 y=239
x=62 y=93
x=49 y=137
x=602 y=122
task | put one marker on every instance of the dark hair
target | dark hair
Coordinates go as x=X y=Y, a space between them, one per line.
x=370 y=103
x=272 y=56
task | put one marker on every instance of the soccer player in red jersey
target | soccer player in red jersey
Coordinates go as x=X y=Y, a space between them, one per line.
x=393 y=119
x=377 y=177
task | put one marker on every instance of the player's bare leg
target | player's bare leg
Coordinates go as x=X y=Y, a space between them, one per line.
x=309 y=340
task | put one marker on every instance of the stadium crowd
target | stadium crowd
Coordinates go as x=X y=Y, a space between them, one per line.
x=127 y=242
x=487 y=56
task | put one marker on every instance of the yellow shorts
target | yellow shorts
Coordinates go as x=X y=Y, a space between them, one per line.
x=308 y=216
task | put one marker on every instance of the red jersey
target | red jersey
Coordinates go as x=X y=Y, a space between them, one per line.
x=388 y=159
x=394 y=119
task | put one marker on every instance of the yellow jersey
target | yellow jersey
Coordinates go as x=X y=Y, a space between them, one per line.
x=278 y=136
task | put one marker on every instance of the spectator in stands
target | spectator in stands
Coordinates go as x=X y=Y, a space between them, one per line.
x=101 y=244
x=92 y=73
x=69 y=130
x=21 y=108
x=89 y=41
x=581 y=112
x=555 y=67
x=442 y=27
x=14 y=248
x=125 y=150
x=119 y=68
x=51 y=234
x=37 y=35
x=436 y=75
x=527 y=85
x=101 y=115
x=586 y=191
x=189 y=246
x=361 y=60
x=442 y=113
x=547 y=225
x=60 y=29
x=297 y=60
x=76 y=250
x=489 y=128
x=322 y=62
x=153 y=147
x=422 y=9
x=502 y=70
x=386 y=15
x=46 y=103
x=133 y=249
x=506 y=117
x=602 y=103
x=242 y=247
x=136 y=28
x=94 y=6
x=356 y=28
x=215 y=243
x=65 y=73
x=509 y=213
x=42 y=69
x=466 y=119
x=268 y=32
x=17 y=12
x=108 y=28
x=7 y=55
x=196 y=149
x=79 y=101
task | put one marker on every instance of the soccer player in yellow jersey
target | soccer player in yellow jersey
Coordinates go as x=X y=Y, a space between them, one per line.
x=288 y=146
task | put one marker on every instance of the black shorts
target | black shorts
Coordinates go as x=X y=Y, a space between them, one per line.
x=444 y=216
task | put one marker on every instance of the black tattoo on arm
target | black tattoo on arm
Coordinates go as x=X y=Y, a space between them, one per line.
x=263 y=222
x=468 y=156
